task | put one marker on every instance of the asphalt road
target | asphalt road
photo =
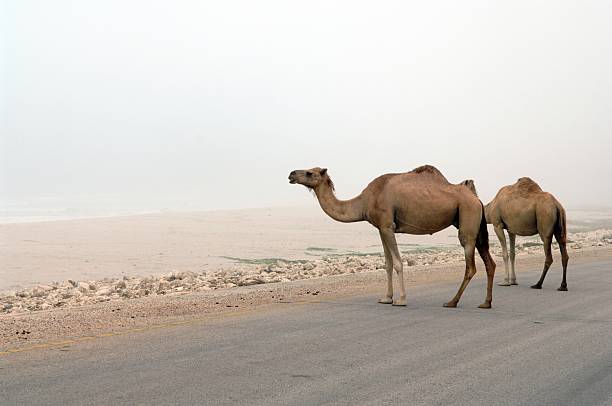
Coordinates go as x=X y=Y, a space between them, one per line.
x=533 y=348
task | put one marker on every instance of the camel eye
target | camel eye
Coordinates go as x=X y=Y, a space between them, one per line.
x=309 y=174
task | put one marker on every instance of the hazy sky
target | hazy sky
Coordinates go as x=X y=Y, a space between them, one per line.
x=210 y=104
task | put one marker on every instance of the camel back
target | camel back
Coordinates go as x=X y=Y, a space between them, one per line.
x=527 y=186
x=435 y=173
x=431 y=170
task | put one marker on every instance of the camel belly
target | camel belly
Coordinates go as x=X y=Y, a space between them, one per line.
x=521 y=225
x=416 y=230
x=524 y=232
x=425 y=222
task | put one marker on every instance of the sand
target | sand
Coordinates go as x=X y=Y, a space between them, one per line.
x=155 y=244
x=158 y=244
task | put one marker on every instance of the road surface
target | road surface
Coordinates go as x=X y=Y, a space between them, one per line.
x=533 y=348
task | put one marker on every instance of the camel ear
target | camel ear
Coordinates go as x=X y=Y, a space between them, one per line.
x=323 y=171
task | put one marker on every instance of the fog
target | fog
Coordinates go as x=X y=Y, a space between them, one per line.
x=209 y=105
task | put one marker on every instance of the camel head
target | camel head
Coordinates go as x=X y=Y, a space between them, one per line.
x=311 y=178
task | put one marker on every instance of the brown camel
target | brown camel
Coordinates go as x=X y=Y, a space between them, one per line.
x=418 y=202
x=524 y=209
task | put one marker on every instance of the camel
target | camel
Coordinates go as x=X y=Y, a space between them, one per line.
x=421 y=201
x=525 y=209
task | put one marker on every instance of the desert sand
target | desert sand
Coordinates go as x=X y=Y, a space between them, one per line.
x=160 y=244
x=154 y=244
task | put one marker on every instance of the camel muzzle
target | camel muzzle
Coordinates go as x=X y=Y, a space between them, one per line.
x=292 y=177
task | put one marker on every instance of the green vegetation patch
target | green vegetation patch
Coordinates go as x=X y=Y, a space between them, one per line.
x=320 y=249
x=264 y=261
x=354 y=254
x=363 y=254
x=427 y=249
x=420 y=251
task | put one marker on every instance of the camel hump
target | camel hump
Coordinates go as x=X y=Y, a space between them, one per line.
x=427 y=168
x=431 y=170
x=528 y=185
x=469 y=183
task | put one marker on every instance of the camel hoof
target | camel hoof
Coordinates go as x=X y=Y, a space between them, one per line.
x=504 y=283
x=562 y=289
x=485 y=305
x=450 y=304
x=536 y=286
x=515 y=283
x=386 y=300
x=399 y=302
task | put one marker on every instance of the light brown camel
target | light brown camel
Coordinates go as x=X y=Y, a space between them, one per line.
x=418 y=202
x=524 y=209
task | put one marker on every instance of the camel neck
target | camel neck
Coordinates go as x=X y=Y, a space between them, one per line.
x=346 y=211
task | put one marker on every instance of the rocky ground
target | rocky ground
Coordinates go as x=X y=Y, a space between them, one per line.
x=62 y=326
x=70 y=293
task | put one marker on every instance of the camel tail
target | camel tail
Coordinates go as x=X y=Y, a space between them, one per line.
x=482 y=240
x=561 y=225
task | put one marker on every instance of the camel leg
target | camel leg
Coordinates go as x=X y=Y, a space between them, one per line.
x=388 y=299
x=564 y=260
x=512 y=238
x=502 y=240
x=547 y=240
x=388 y=237
x=490 y=267
x=470 y=270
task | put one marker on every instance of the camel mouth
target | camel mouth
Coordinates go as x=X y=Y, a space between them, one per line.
x=292 y=181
